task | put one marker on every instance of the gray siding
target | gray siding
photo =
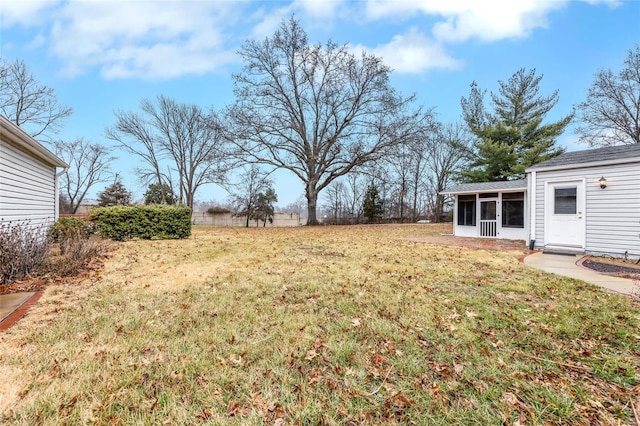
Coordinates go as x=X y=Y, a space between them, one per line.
x=612 y=214
x=27 y=188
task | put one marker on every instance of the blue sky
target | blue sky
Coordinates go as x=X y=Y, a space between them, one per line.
x=101 y=56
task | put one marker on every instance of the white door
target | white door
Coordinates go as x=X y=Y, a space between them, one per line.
x=488 y=221
x=565 y=214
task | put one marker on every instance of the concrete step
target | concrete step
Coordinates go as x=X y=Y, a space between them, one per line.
x=564 y=251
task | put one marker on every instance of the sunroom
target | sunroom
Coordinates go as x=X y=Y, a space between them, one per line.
x=491 y=209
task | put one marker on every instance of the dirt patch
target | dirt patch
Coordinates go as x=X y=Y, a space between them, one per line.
x=27 y=285
x=478 y=243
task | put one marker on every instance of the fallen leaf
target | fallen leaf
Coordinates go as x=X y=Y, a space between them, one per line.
x=233 y=407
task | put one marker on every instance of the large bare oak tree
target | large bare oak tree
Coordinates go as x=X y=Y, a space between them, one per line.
x=316 y=110
x=611 y=113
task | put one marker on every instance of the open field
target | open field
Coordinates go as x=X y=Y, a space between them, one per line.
x=335 y=325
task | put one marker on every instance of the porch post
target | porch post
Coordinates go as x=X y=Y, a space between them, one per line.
x=531 y=183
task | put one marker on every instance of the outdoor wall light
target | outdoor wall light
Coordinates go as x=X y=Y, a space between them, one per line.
x=603 y=182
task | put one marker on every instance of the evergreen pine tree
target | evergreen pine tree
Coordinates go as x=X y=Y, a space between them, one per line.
x=513 y=136
x=264 y=210
x=159 y=193
x=114 y=195
x=372 y=206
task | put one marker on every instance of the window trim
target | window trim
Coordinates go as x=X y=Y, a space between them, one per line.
x=513 y=198
x=463 y=201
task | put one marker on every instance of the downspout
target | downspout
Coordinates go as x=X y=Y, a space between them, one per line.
x=532 y=213
x=56 y=211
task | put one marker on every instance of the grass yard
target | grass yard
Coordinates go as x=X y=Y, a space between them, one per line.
x=333 y=325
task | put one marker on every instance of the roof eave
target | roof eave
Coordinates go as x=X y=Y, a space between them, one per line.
x=17 y=136
x=483 y=191
x=582 y=165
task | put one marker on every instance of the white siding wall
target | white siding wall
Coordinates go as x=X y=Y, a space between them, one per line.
x=27 y=188
x=612 y=214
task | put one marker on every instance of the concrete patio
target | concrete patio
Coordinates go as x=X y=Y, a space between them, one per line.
x=567 y=265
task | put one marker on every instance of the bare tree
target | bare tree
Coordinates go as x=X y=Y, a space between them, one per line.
x=335 y=200
x=354 y=194
x=317 y=111
x=611 y=113
x=181 y=136
x=245 y=193
x=400 y=163
x=446 y=157
x=421 y=157
x=29 y=104
x=88 y=165
x=299 y=206
x=137 y=136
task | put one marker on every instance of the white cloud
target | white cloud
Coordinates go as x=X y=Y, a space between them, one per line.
x=23 y=12
x=318 y=9
x=413 y=52
x=312 y=13
x=462 y=20
x=610 y=3
x=148 y=40
x=269 y=21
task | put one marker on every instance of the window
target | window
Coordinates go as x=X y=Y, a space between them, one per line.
x=467 y=210
x=513 y=210
x=565 y=201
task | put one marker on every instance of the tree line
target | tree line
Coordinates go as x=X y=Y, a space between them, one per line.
x=333 y=120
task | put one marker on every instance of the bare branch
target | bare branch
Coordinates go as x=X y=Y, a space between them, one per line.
x=611 y=113
x=29 y=104
x=88 y=165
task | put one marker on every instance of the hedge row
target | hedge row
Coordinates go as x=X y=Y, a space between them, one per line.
x=145 y=222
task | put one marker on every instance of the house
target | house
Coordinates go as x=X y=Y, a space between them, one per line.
x=583 y=202
x=28 y=178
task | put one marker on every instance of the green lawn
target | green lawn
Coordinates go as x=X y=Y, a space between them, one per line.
x=331 y=325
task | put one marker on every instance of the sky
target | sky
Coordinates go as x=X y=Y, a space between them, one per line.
x=103 y=56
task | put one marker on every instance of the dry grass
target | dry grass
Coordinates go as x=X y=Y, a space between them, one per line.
x=339 y=325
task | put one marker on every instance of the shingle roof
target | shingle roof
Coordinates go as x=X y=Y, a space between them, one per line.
x=609 y=153
x=488 y=186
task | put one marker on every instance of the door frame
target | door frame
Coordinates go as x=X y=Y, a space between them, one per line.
x=495 y=221
x=580 y=207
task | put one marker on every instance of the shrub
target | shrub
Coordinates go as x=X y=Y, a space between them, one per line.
x=24 y=250
x=145 y=222
x=68 y=227
x=76 y=252
x=218 y=210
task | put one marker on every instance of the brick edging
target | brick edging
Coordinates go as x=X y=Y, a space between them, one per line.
x=580 y=262
x=20 y=311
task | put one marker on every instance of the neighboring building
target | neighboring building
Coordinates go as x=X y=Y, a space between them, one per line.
x=491 y=209
x=28 y=178
x=583 y=201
